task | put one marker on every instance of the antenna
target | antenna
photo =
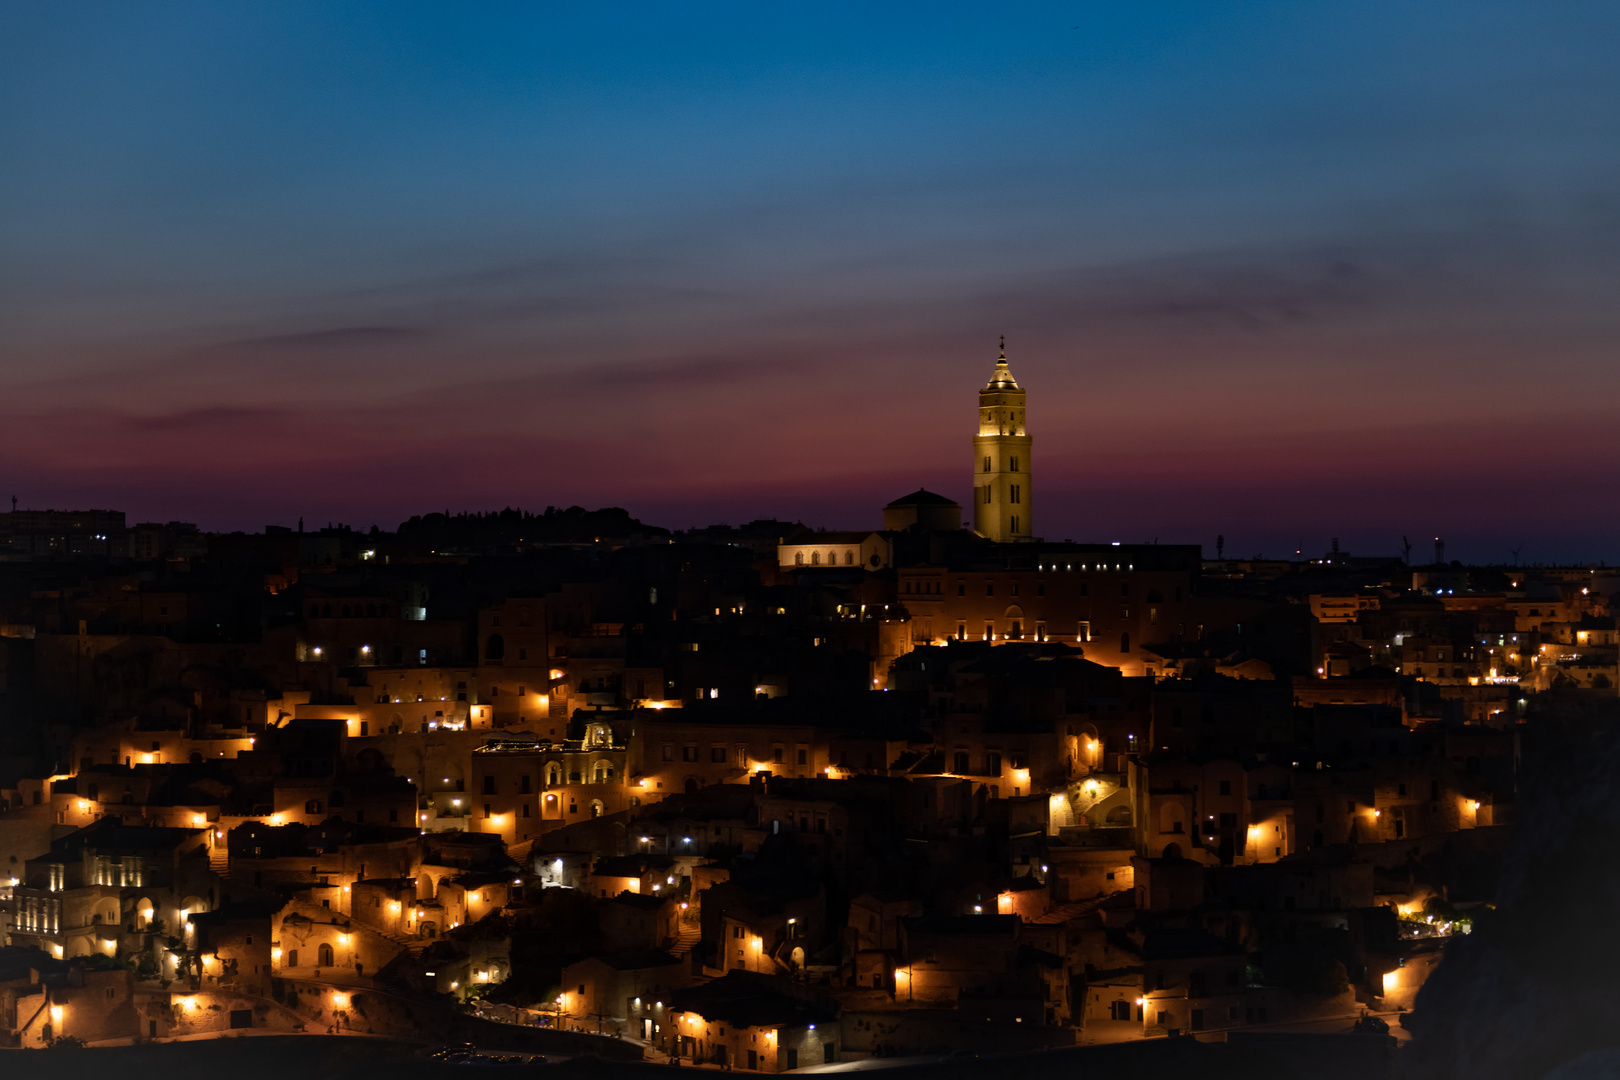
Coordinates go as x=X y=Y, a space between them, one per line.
x=1406 y=551
x=1515 y=552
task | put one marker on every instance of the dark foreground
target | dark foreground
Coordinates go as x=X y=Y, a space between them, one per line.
x=346 y=1058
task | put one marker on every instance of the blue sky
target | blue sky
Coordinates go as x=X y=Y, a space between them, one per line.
x=1279 y=271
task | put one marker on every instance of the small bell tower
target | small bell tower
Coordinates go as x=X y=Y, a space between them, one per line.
x=1003 y=503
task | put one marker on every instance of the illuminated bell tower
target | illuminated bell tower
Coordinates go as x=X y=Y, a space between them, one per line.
x=1002 y=502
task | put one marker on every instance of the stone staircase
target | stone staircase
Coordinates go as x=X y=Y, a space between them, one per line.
x=219 y=861
x=691 y=933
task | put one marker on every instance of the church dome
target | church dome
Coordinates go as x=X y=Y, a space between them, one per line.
x=925 y=510
x=922 y=497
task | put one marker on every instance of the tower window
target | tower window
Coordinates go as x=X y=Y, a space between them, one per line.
x=1015 y=525
x=987 y=466
x=1012 y=466
x=987 y=490
x=1014 y=493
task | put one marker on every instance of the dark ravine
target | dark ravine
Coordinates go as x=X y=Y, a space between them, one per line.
x=1534 y=988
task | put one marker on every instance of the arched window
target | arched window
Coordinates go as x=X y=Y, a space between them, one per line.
x=815 y=558
x=553 y=774
x=798 y=558
x=601 y=773
x=832 y=558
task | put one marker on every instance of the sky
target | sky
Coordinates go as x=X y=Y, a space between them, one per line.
x=1280 y=272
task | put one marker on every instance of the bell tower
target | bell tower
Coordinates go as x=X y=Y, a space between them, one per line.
x=1002 y=499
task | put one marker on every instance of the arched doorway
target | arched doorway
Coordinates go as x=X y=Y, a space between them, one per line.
x=324 y=957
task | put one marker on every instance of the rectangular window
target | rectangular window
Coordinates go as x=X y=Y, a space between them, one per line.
x=989 y=631
x=776 y=755
x=717 y=755
x=489 y=785
x=669 y=752
x=803 y=756
x=688 y=753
